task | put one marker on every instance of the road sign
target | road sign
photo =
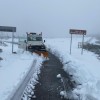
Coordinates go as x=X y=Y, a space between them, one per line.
x=75 y=31
x=7 y=29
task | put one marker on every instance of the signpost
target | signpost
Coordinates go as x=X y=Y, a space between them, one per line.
x=77 y=32
x=9 y=29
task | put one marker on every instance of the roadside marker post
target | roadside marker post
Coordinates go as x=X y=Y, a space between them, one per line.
x=77 y=32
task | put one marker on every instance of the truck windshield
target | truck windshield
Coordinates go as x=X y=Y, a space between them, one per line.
x=38 y=38
x=31 y=38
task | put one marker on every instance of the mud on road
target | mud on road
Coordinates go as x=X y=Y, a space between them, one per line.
x=49 y=85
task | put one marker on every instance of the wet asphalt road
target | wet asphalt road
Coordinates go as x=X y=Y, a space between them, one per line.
x=49 y=85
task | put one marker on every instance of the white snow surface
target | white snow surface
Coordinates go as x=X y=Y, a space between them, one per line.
x=13 y=68
x=84 y=68
x=59 y=76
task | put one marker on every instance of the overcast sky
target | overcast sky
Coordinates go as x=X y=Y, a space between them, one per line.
x=52 y=17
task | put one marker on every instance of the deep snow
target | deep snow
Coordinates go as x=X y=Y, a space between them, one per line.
x=14 y=67
x=84 y=68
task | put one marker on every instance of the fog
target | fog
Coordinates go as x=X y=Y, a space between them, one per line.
x=52 y=17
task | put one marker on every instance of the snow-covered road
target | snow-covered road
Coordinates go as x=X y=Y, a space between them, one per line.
x=84 y=68
x=50 y=86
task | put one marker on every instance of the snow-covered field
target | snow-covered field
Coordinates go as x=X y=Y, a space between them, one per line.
x=84 y=68
x=13 y=69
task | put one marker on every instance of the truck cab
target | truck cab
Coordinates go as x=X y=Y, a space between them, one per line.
x=35 y=44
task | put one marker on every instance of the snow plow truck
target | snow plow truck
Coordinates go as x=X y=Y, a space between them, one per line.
x=35 y=44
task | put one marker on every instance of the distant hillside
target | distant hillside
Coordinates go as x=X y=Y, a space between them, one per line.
x=96 y=35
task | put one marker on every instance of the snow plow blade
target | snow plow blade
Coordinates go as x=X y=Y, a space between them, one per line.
x=44 y=53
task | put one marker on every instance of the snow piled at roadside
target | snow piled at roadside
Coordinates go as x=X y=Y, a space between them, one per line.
x=14 y=67
x=29 y=90
x=84 y=68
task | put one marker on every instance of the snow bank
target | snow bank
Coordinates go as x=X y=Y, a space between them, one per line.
x=14 y=67
x=28 y=92
x=84 y=68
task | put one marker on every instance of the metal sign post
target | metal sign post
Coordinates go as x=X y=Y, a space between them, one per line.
x=12 y=41
x=70 y=43
x=27 y=42
x=77 y=32
x=82 y=44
